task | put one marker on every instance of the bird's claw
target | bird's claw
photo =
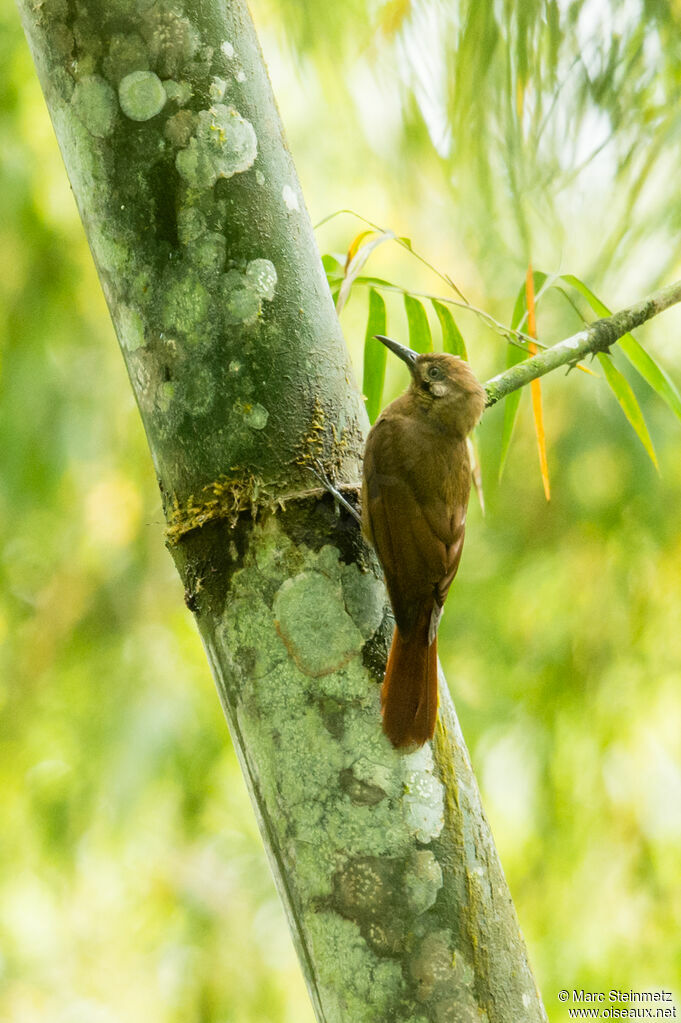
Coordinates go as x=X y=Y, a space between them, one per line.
x=317 y=470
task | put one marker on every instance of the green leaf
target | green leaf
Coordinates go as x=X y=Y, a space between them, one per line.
x=334 y=270
x=375 y=355
x=332 y=266
x=511 y=405
x=420 y=338
x=651 y=372
x=379 y=282
x=598 y=307
x=515 y=355
x=621 y=388
x=452 y=338
x=639 y=358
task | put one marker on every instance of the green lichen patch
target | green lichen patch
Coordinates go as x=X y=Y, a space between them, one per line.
x=243 y=293
x=275 y=557
x=360 y=793
x=364 y=888
x=350 y=814
x=368 y=746
x=217 y=89
x=422 y=880
x=359 y=985
x=94 y=103
x=377 y=775
x=361 y=830
x=185 y=302
x=424 y=803
x=262 y=277
x=250 y=632
x=141 y=95
x=255 y=416
x=314 y=866
x=328 y=562
x=171 y=38
x=347 y=683
x=224 y=144
x=208 y=252
x=314 y=624
x=277 y=692
x=306 y=779
x=127 y=52
x=445 y=980
x=179 y=128
x=364 y=598
x=240 y=302
x=178 y=92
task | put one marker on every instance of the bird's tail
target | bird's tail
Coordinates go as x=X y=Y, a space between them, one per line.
x=409 y=692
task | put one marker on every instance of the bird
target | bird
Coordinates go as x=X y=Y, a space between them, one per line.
x=415 y=490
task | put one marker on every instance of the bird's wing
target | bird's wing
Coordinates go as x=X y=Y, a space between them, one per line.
x=419 y=548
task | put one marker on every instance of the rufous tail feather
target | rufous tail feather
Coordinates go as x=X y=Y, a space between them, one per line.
x=409 y=692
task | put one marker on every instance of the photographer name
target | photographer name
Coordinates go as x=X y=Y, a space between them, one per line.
x=615 y=995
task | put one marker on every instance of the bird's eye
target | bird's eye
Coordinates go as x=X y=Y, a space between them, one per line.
x=435 y=373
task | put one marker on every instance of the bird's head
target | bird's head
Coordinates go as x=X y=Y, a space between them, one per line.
x=444 y=385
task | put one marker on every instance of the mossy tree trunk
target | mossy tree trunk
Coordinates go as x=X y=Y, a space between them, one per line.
x=384 y=861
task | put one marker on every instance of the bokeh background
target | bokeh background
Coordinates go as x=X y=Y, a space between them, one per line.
x=133 y=884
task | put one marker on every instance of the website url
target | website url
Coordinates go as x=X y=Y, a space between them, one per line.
x=638 y=1012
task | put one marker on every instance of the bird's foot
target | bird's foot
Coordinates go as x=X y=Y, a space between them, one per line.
x=317 y=471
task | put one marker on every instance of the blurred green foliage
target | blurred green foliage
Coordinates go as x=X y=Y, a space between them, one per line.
x=133 y=885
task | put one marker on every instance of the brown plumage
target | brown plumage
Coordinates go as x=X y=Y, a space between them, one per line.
x=415 y=493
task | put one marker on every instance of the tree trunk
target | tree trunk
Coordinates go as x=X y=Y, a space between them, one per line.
x=384 y=861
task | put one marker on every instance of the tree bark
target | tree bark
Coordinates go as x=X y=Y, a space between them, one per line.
x=596 y=337
x=384 y=861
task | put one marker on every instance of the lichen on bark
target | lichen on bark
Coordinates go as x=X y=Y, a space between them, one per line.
x=168 y=129
x=384 y=859
x=195 y=218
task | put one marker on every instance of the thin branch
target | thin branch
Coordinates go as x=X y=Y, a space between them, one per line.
x=513 y=336
x=403 y=244
x=597 y=337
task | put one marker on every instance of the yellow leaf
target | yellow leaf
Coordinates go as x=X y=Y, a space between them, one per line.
x=535 y=386
x=354 y=245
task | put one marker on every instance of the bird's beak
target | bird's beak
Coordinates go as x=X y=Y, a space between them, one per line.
x=401 y=351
